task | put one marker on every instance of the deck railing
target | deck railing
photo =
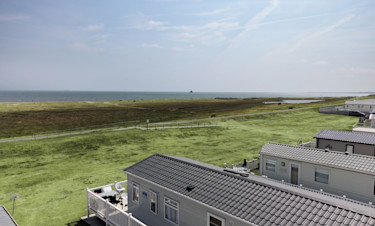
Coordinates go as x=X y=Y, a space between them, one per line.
x=108 y=212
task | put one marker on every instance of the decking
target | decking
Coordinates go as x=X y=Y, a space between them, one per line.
x=110 y=205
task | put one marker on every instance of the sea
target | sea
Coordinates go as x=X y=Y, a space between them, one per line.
x=62 y=96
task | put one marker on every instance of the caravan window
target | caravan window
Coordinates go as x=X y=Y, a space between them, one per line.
x=213 y=220
x=135 y=193
x=153 y=202
x=171 y=210
x=270 y=165
x=321 y=176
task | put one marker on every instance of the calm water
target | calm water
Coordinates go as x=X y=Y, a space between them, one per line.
x=56 y=96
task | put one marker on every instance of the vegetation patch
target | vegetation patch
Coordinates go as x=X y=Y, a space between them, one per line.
x=51 y=175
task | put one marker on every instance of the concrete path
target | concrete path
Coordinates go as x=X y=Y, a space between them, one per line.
x=158 y=125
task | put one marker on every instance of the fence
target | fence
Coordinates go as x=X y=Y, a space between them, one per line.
x=177 y=125
x=109 y=213
x=86 y=129
x=338 y=109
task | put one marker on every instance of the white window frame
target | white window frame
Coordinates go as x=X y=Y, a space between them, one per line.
x=273 y=162
x=168 y=203
x=156 y=201
x=322 y=171
x=135 y=188
x=215 y=216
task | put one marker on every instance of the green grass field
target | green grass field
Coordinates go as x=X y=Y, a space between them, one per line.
x=21 y=119
x=51 y=175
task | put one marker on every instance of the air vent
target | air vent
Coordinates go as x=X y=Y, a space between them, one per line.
x=190 y=187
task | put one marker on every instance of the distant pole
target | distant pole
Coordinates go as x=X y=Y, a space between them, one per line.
x=13 y=206
x=147 y=122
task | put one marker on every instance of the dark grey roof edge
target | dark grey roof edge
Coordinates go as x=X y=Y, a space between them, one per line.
x=191 y=162
x=10 y=216
x=318 y=136
x=323 y=197
x=195 y=162
x=195 y=200
x=125 y=170
x=323 y=150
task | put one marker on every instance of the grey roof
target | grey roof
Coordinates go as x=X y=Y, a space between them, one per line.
x=336 y=159
x=363 y=102
x=253 y=199
x=5 y=218
x=347 y=136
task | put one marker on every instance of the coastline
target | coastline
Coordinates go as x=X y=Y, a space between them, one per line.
x=69 y=96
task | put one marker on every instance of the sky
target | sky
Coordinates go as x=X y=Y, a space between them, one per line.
x=183 y=45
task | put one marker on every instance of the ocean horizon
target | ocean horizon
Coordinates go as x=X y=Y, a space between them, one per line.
x=65 y=96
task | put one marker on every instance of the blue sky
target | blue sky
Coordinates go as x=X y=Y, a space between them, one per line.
x=176 y=45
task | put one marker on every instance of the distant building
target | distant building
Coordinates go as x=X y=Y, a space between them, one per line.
x=166 y=190
x=335 y=172
x=346 y=141
x=5 y=218
x=366 y=106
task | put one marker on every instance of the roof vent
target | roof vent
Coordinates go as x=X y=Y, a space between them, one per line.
x=346 y=153
x=326 y=150
x=190 y=187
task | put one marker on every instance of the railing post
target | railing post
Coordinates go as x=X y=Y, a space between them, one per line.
x=88 y=203
x=106 y=212
x=129 y=219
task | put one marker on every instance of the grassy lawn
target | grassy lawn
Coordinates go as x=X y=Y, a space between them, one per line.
x=20 y=119
x=51 y=175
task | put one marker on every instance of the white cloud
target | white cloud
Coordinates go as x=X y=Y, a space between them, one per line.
x=140 y=21
x=95 y=27
x=210 y=13
x=213 y=31
x=321 y=32
x=13 y=17
x=82 y=47
x=155 y=23
x=253 y=23
x=146 y=45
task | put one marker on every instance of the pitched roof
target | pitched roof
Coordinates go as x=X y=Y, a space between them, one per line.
x=336 y=159
x=5 y=218
x=354 y=137
x=253 y=199
x=363 y=102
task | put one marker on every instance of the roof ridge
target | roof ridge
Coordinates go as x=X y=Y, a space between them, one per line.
x=137 y=163
x=323 y=197
x=289 y=190
x=345 y=131
x=323 y=150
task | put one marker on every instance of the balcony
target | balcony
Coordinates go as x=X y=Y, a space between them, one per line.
x=110 y=204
